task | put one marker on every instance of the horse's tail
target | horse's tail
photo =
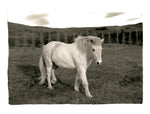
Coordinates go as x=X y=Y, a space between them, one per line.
x=42 y=67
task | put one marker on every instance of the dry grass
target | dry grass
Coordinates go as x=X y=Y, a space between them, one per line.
x=118 y=80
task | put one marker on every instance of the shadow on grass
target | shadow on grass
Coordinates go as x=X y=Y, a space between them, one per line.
x=32 y=73
x=135 y=76
x=130 y=79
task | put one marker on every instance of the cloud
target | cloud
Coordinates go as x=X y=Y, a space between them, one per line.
x=132 y=19
x=113 y=14
x=38 y=19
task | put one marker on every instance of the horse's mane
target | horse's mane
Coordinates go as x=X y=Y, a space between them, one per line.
x=84 y=42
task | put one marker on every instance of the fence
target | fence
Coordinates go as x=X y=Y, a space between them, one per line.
x=37 y=39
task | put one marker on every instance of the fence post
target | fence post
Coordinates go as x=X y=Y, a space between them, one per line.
x=24 y=41
x=94 y=33
x=137 y=41
x=140 y=37
x=87 y=33
x=49 y=36
x=117 y=38
x=16 y=42
x=80 y=33
x=74 y=35
x=57 y=37
x=130 y=38
x=33 y=41
x=41 y=39
x=66 y=38
x=102 y=34
x=109 y=37
x=123 y=38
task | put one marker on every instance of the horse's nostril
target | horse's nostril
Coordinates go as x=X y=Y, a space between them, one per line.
x=98 y=63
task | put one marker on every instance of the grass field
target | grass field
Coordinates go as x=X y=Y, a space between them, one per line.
x=118 y=80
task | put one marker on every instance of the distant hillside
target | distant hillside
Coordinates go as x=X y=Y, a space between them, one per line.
x=20 y=34
x=14 y=27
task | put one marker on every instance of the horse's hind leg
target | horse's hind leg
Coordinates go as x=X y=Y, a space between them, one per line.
x=42 y=78
x=54 y=80
x=49 y=70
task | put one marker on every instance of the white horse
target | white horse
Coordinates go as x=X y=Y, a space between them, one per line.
x=77 y=55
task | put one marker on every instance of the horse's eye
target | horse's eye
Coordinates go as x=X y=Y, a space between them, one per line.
x=93 y=49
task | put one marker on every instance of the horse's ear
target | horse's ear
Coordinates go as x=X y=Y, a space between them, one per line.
x=91 y=41
x=102 y=41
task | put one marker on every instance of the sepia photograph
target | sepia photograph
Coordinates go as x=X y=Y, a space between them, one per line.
x=67 y=55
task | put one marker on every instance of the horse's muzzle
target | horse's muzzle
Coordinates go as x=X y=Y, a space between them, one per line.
x=99 y=63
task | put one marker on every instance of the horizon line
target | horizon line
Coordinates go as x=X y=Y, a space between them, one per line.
x=74 y=27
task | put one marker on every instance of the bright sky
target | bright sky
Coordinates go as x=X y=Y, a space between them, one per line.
x=74 y=13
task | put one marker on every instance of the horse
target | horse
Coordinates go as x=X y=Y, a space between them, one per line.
x=77 y=55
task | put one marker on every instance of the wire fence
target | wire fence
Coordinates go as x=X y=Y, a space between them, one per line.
x=37 y=39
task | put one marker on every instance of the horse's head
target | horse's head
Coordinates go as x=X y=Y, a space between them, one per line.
x=96 y=49
x=93 y=46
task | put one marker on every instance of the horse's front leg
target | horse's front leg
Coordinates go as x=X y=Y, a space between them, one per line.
x=77 y=82
x=82 y=75
x=49 y=70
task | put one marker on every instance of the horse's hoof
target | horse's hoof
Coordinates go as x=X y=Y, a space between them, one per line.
x=50 y=88
x=53 y=81
x=90 y=96
x=76 y=89
x=41 y=83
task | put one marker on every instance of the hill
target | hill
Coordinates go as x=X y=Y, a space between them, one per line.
x=35 y=35
x=14 y=27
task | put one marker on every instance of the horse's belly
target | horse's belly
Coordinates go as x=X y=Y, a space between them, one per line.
x=65 y=65
x=63 y=59
x=63 y=62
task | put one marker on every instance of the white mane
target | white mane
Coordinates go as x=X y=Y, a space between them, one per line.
x=84 y=39
x=84 y=42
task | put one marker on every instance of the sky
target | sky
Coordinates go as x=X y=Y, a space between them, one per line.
x=73 y=13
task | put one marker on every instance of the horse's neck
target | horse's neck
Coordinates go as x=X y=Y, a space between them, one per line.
x=86 y=52
x=89 y=56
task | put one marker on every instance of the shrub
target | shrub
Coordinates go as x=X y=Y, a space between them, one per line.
x=37 y=42
x=70 y=39
x=46 y=36
x=29 y=42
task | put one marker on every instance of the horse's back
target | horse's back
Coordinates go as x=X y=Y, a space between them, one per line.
x=48 y=47
x=47 y=50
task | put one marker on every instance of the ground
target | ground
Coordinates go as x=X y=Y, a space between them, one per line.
x=118 y=80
